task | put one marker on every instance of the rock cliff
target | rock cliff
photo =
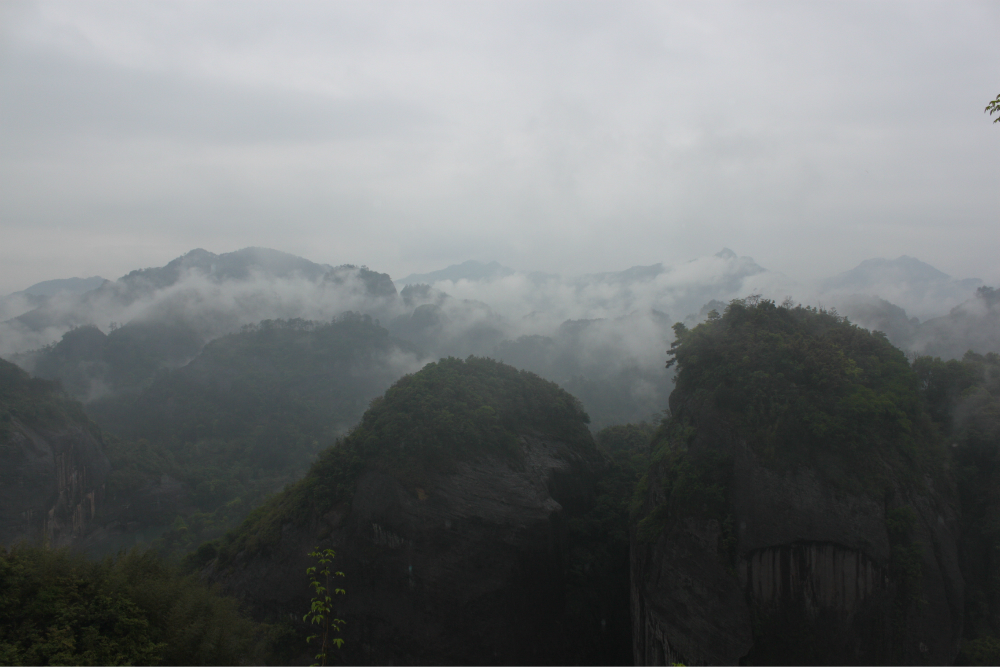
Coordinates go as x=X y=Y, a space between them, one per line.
x=451 y=524
x=52 y=463
x=822 y=534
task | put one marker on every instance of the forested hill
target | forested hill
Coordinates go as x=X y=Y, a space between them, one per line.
x=468 y=513
x=204 y=443
x=814 y=498
x=310 y=379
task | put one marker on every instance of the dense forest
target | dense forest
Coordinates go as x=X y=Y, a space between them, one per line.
x=164 y=487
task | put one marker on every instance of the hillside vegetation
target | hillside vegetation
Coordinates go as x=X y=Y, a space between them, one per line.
x=57 y=608
x=803 y=386
x=426 y=422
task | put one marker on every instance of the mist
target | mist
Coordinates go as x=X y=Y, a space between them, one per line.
x=565 y=138
x=604 y=337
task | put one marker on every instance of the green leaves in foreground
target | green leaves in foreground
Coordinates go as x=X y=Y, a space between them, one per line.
x=321 y=609
x=57 y=608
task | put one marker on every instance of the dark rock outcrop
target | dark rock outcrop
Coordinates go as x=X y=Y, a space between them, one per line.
x=52 y=463
x=777 y=550
x=464 y=564
x=813 y=580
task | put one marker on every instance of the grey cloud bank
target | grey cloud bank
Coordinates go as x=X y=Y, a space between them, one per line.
x=569 y=138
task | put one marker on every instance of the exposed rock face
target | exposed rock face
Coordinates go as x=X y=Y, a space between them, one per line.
x=52 y=463
x=468 y=570
x=686 y=606
x=813 y=579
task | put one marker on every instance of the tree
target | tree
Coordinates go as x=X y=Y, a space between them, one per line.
x=321 y=610
x=994 y=108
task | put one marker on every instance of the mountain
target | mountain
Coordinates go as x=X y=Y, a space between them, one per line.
x=239 y=265
x=208 y=293
x=63 y=285
x=32 y=297
x=800 y=507
x=963 y=398
x=614 y=366
x=470 y=270
x=972 y=325
x=451 y=508
x=919 y=288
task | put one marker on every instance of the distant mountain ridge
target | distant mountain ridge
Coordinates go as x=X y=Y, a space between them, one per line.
x=68 y=285
x=32 y=297
x=470 y=270
x=921 y=289
x=903 y=269
x=237 y=265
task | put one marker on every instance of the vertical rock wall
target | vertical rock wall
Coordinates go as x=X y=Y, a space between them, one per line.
x=794 y=589
x=51 y=483
x=814 y=577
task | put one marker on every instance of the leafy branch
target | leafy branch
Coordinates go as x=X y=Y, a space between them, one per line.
x=993 y=108
x=321 y=609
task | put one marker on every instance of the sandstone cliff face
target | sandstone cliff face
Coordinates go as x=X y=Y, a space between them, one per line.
x=51 y=482
x=466 y=570
x=799 y=571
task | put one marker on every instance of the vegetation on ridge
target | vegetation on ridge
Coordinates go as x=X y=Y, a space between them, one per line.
x=803 y=386
x=451 y=410
x=34 y=401
x=57 y=608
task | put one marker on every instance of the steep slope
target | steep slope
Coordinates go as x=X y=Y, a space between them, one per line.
x=799 y=509
x=52 y=462
x=449 y=509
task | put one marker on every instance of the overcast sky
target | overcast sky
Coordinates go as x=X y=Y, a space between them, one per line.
x=568 y=137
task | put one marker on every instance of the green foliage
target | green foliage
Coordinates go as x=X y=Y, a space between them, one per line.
x=992 y=108
x=426 y=422
x=803 y=387
x=58 y=608
x=943 y=384
x=34 y=402
x=321 y=606
x=453 y=409
x=982 y=651
x=695 y=484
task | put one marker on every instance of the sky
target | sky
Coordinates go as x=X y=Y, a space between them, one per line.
x=567 y=137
